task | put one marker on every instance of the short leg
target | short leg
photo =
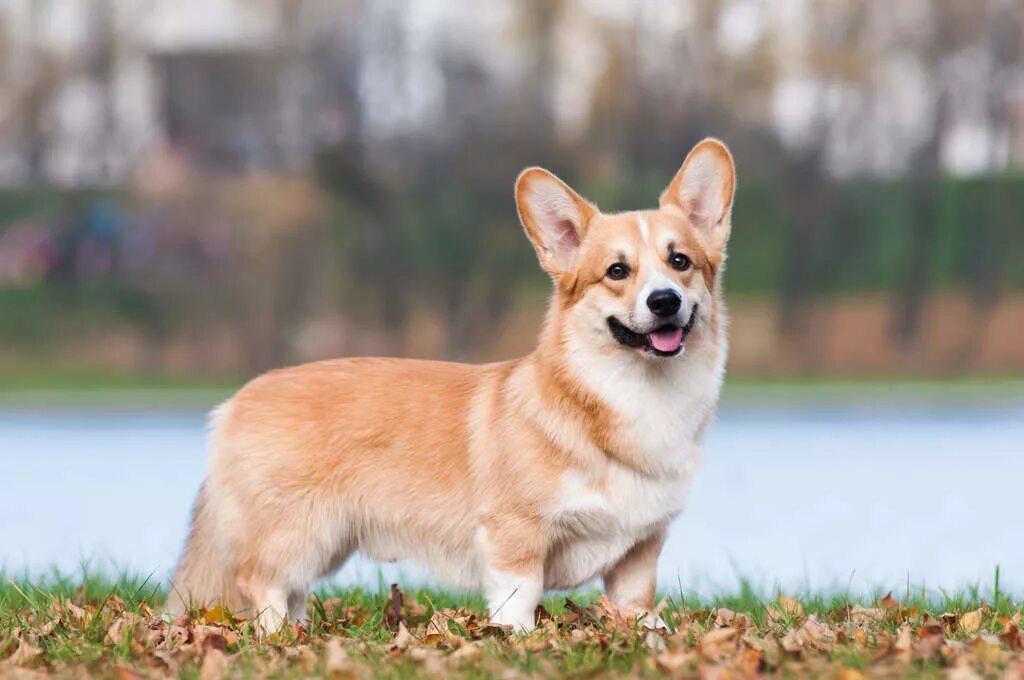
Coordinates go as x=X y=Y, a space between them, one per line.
x=297 y=604
x=631 y=582
x=270 y=603
x=513 y=564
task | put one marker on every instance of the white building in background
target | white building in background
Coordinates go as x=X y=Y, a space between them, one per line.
x=87 y=87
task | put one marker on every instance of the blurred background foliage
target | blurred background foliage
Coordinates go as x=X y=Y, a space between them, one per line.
x=206 y=189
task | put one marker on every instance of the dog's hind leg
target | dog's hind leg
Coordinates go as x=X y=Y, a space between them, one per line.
x=283 y=559
x=298 y=598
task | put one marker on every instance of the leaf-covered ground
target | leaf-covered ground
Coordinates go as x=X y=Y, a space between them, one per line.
x=96 y=628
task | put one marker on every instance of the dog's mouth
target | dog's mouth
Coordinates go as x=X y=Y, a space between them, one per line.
x=664 y=341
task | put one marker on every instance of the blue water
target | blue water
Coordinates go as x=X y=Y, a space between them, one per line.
x=858 y=497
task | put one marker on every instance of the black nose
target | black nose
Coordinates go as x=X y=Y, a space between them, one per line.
x=664 y=302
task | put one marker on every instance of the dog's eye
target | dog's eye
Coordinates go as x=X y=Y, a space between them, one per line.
x=679 y=262
x=617 y=271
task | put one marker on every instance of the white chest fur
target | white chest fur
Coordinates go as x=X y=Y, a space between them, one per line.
x=600 y=514
x=599 y=520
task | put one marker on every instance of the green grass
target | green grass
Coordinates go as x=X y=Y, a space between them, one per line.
x=99 y=625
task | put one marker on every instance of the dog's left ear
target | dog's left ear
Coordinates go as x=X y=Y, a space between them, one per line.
x=703 y=189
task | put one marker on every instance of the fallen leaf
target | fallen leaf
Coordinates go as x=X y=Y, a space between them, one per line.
x=1012 y=636
x=888 y=602
x=930 y=640
x=1014 y=671
x=335 y=656
x=25 y=654
x=467 y=652
x=790 y=606
x=217 y=615
x=987 y=649
x=904 y=640
x=125 y=673
x=962 y=673
x=717 y=636
x=715 y=672
x=866 y=615
x=670 y=662
x=403 y=638
x=811 y=634
x=849 y=674
x=971 y=621
x=749 y=661
x=215 y=663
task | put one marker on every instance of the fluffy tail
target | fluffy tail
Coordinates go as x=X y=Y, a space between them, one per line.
x=204 y=577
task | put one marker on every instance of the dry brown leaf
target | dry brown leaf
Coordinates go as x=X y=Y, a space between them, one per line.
x=467 y=652
x=403 y=638
x=748 y=662
x=930 y=640
x=217 y=615
x=673 y=661
x=1012 y=636
x=215 y=663
x=962 y=673
x=424 y=654
x=434 y=639
x=717 y=636
x=124 y=673
x=790 y=606
x=335 y=656
x=904 y=640
x=1014 y=671
x=727 y=617
x=888 y=602
x=724 y=616
x=47 y=628
x=302 y=657
x=164 y=660
x=25 y=655
x=715 y=672
x=866 y=615
x=987 y=649
x=72 y=611
x=811 y=634
x=849 y=674
x=769 y=650
x=123 y=627
x=971 y=621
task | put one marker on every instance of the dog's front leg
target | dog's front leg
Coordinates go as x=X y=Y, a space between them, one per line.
x=512 y=556
x=631 y=582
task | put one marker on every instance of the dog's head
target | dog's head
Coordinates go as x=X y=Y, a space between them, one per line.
x=641 y=281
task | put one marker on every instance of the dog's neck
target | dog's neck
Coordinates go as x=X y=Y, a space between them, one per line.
x=634 y=409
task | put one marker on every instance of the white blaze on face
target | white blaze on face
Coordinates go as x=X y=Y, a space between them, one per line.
x=648 y=261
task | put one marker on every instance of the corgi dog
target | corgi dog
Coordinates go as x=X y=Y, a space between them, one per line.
x=544 y=472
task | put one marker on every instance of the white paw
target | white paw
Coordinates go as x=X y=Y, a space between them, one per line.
x=521 y=622
x=652 y=621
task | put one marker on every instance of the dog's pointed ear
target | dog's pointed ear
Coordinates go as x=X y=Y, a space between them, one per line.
x=703 y=189
x=554 y=216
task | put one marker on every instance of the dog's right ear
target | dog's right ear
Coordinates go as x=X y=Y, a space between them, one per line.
x=554 y=216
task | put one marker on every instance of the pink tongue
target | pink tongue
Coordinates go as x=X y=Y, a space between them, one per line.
x=666 y=339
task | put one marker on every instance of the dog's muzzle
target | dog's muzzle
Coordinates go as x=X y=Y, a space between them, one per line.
x=665 y=341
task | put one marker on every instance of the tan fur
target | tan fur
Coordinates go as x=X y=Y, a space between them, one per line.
x=502 y=476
